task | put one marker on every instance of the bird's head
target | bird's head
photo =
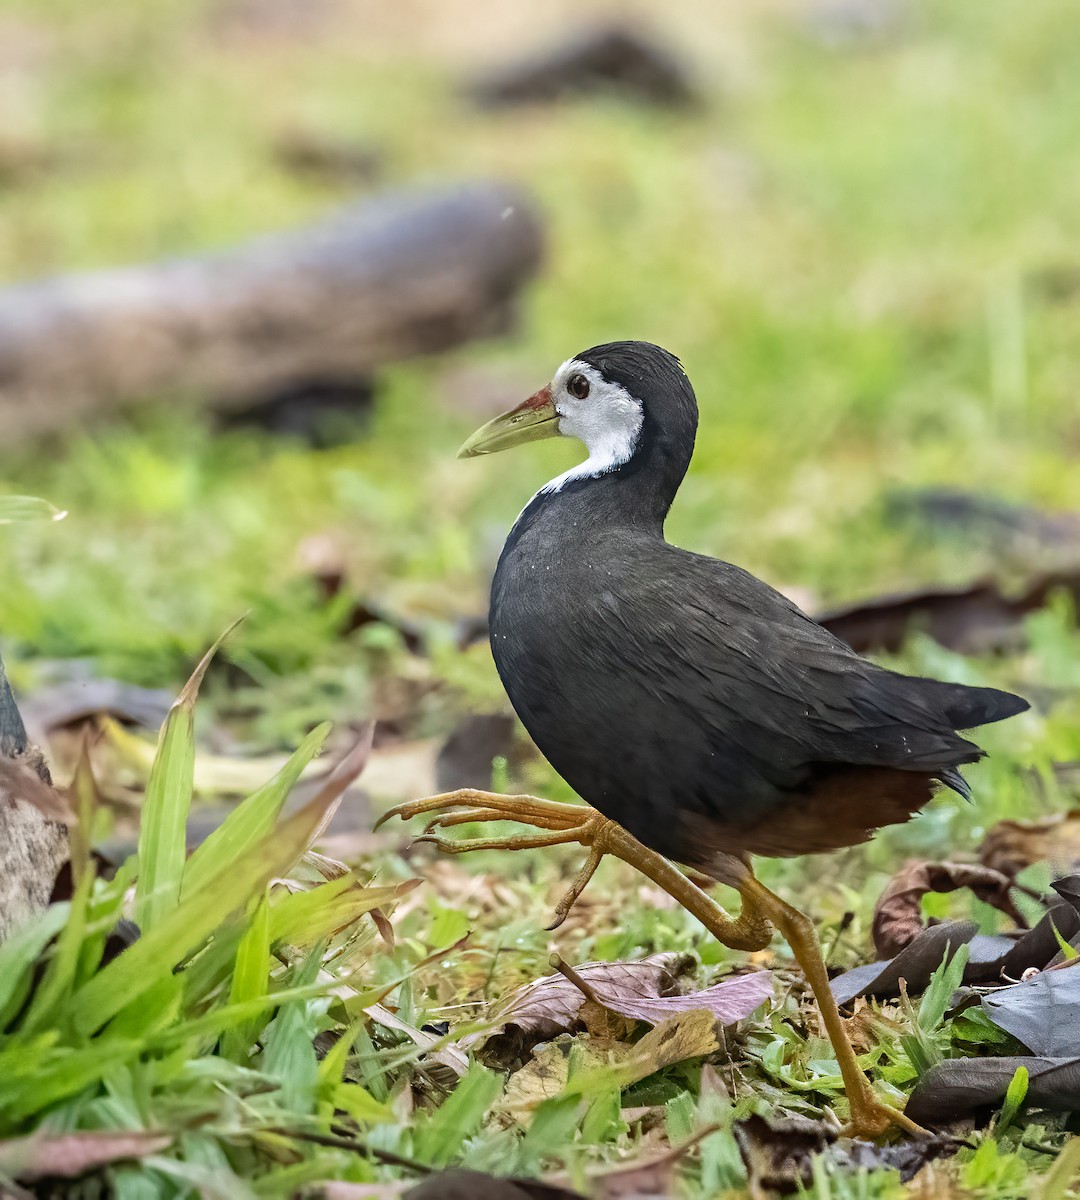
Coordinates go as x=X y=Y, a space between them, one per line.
x=622 y=399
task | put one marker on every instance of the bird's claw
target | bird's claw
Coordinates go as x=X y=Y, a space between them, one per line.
x=871 y=1118
x=563 y=824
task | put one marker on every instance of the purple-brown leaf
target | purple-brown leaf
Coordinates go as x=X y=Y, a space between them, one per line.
x=552 y=1005
x=68 y=1154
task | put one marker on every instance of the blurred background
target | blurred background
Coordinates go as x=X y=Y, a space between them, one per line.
x=856 y=222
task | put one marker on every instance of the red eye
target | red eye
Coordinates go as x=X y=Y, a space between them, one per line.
x=578 y=386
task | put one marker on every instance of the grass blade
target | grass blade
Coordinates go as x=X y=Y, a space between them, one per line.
x=28 y=508
x=252 y=819
x=162 y=830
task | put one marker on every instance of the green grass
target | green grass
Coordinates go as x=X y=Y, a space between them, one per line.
x=867 y=262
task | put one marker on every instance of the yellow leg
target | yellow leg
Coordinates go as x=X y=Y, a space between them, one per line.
x=751 y=930
x=870 y=1116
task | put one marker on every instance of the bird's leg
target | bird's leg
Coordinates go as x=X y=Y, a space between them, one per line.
x=869 y=1116
x=567 y=823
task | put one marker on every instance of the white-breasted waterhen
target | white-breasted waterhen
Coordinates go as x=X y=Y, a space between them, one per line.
x=700 y=713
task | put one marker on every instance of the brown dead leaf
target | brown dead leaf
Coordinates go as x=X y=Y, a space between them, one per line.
x=69 y=1154
x=647 y=1177
x=644 y=990
x=898 y=918
x=778 y=1155
x=462 y=1184
x=1010 y=846
x=685 y=1035
x=19 y=782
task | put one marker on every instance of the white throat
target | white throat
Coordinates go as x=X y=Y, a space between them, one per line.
x=608 y=421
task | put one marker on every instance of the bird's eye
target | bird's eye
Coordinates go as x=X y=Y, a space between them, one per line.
x=578 y=386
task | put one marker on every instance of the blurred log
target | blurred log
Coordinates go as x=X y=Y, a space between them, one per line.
x=32 y=847
x=410 y=273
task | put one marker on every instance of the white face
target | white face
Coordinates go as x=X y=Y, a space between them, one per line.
x=599 y=413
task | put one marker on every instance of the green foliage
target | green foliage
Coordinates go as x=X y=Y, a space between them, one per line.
x=211 y=1000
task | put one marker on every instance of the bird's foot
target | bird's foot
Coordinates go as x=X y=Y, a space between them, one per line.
x=871 y=1117
x=564 y=824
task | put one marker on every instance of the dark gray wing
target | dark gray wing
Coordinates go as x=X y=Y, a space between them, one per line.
x=736 y=655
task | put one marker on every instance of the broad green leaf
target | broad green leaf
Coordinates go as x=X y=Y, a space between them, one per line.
x=28 y=508
x=552 y=1129
x=335 y=1092
x=215 y=1022
x=252 y=819
x=162 y=829
x=181 y=931
x=155 y=1009
x=57 y=1074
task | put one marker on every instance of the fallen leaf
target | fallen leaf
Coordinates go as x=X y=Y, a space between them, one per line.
x=68 y=1154
x=898 y=918
x=1000 y=523
x=1010 y=846
x=1042 y=1013
x=687 y=1035
x=19 y=782
x=74 y=700
x=461 y=1184
x=959 y=1087
x=914 y=964
x=644 y=1178
x=553 y=1004
x=779 y=1155
x=546 y=1074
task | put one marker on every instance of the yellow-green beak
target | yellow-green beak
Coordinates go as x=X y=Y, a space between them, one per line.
x=532 y=421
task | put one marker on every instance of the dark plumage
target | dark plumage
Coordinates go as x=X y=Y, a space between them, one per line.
x=683 y=697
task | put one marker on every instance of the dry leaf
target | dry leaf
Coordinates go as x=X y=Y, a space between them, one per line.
x=460 y=1184
x=19 y=782
x=778 y=1155
x=915 y=964
x=1043 y=1012
x=1010 y=846
x=687 y=1035
x=545 y=1075
x=898 y=917
x=959 y=1087
x=554 y=1004
x=68 y=1154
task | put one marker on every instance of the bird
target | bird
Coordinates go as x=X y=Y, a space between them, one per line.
x=700 y=713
